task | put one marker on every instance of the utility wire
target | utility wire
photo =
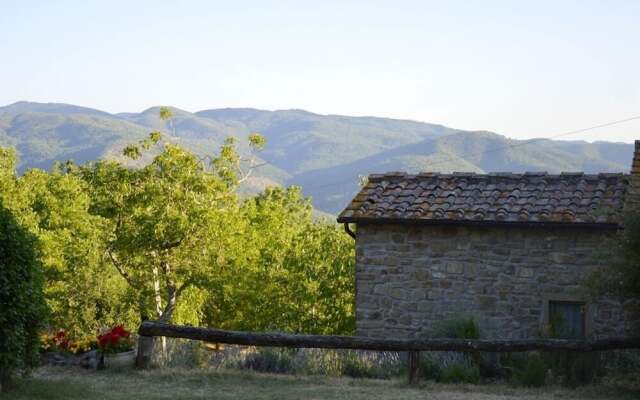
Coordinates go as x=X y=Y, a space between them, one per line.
x=511 y=146
x=526 y=142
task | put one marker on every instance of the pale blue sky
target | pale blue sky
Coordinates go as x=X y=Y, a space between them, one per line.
x=520 y=68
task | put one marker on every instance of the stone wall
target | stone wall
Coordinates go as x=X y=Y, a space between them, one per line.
x=409 y=278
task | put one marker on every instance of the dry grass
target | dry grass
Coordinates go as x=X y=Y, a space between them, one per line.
x=58 y=383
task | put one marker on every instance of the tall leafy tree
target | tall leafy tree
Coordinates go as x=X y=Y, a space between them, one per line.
x=83 y=295
x=291 y=273
x=21 y=298
x=169 y=221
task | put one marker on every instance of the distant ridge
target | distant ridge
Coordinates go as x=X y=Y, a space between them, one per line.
x=325 y=154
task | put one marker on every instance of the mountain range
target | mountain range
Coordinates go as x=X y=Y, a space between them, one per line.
x=324 y=154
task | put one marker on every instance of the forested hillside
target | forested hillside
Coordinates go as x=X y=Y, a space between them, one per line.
x=324 y=154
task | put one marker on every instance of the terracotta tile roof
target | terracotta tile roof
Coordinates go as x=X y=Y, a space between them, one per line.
x=504 y=198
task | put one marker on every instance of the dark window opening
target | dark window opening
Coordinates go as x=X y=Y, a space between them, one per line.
x=567 y=319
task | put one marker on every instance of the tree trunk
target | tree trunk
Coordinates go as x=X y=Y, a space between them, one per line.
x=156 y=290
x=158 y=296
x=145 y=351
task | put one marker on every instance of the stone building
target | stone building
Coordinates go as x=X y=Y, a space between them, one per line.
x=509 y=250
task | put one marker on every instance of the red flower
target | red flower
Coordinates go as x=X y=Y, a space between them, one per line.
x=60 y=334
x=114 y=339
x=118 y=330
x=104 y=339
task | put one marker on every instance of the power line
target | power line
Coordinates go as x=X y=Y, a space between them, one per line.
x=524 y=143
x=511 y=146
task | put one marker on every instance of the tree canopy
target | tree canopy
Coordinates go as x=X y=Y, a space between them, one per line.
x=173 y=240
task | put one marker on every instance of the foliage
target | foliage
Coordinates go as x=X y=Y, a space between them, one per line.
x=362 y=364
x=186 y=354
x=81 y=292
x=572 y=368
x=463 y=372
x=267 y=359
x=59 y=341
x=115 y=340
x=467 y=368
x=290 y=273
x=457 y=328
x=530 y=371
x=21 y=297
x=166 y=222
x=351 y=363
x=171 y=239
x=621 y=279
x=430 y=368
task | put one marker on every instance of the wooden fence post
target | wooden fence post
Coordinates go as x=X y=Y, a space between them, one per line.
x=414 y=367
x=145 y=351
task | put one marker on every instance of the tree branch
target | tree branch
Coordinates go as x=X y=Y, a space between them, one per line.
x=120 y=269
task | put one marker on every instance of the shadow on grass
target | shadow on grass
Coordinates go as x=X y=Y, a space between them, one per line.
x=173 y=384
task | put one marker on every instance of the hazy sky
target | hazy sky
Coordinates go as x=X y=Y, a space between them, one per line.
x=520 y=68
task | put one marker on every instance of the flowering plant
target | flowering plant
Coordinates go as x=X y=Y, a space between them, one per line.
x=61 y=342
x=115 y=340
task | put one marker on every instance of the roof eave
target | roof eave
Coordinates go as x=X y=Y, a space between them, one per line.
x=539 y=224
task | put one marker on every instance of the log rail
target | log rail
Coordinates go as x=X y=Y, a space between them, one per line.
x=149 y=329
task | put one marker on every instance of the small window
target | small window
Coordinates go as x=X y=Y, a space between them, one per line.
x=567 y=319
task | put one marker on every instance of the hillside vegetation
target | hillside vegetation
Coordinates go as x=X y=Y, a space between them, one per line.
x=324 y=154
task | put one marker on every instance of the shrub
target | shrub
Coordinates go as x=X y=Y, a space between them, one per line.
x=357 y=367
x=462 y=372
x=532 y=371
x=60 y=342
x=184 y=353
x=115 y=340
x=430 y=368
x=364 y=364
x=21 y=298
x=467 y=369
x=458 y=328
x=278 y=361
x=575 y=368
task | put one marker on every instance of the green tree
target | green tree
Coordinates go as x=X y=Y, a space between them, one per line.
x=23 y=306
x=83 y=296
x=169 y=222
x=290 y=273
x=621 y=279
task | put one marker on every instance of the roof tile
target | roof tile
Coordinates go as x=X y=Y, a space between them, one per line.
x=568 y=198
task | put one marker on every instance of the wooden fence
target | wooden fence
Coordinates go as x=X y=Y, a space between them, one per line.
x=150 y=329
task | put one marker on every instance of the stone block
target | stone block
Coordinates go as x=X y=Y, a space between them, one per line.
x=487 y=302
x=525 y=272
x=454 y=267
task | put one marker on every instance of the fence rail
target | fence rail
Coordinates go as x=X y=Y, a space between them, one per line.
x=150 y=329
x=364 y=343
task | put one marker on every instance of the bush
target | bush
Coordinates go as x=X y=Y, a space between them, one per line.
x=458 y=328
x=430 y=368
x=575 y=368
x=532 y=372
x=183 y=353
x=357 y=367
x=278 y=361
x=465 y=368
x=21 y=298
x=462 y=372
x=364 y=364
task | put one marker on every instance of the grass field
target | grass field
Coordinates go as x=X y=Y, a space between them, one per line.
x=59 y=383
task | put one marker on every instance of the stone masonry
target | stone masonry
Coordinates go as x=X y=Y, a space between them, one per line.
x=409 y=278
